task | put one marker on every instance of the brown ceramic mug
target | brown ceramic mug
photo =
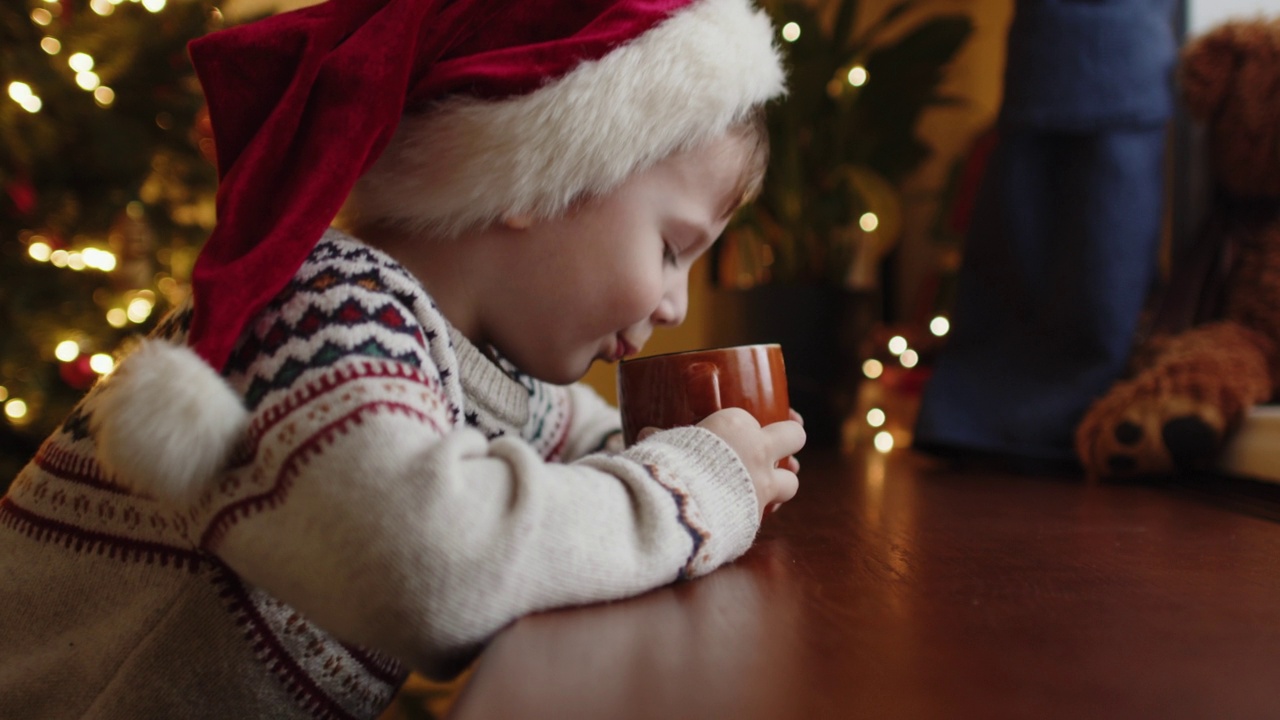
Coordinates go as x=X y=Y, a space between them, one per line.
x=666 y=391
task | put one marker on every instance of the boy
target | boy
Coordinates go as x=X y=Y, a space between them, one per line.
x=350 y=457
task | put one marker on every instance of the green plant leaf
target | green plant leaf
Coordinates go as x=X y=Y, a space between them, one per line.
x=842 y=31
x=825 y=128
x=854 y=48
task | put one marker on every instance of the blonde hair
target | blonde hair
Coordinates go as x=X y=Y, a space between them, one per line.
x=466 y=161
x=751 y=129
x=754 y=131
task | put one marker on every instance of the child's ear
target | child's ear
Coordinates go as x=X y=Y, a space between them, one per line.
x=517 y=221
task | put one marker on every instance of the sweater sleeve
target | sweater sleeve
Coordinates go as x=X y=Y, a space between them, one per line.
x=377 y=520
x=363 y=500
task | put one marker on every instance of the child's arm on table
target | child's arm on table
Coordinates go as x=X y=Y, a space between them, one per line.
x=594 y=425
x=767 y=452
x=374 y=516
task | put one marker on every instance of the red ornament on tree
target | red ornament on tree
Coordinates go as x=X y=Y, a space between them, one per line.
x=77 y=373
x=22 y=194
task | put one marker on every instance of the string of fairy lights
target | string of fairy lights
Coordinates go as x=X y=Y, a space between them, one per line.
x=854 y=76
x=873 y=415
x=81 y=63
x=132 y=306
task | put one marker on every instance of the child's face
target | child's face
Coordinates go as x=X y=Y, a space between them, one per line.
x=593 y=285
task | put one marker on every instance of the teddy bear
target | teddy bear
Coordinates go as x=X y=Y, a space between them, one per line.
x=1191 y=385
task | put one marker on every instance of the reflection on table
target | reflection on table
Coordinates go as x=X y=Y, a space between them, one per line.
x=898 y=587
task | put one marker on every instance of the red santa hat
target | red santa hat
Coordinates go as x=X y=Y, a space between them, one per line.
x=446 y=115
x=438 y=115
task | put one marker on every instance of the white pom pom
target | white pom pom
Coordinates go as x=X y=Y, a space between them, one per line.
x=166 y=423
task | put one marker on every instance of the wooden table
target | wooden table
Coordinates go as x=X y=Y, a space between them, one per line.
x=893 y=587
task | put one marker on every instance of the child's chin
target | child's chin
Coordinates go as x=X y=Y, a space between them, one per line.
x=562 y=375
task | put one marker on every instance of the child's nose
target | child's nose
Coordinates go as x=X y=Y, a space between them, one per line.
x=674 y=306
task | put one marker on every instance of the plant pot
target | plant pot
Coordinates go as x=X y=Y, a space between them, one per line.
x=821 y=330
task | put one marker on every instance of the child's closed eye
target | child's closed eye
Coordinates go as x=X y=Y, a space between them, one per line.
x=669 y=254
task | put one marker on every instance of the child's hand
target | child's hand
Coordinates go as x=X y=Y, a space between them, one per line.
x=768 y=452
x=790 y=462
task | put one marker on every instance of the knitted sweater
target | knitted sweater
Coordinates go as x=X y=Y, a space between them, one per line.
x=399 y=498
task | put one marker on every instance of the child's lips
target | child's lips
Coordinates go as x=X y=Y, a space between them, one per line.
x=626 y=349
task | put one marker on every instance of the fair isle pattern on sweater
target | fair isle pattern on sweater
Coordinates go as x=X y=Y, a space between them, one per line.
x=352 y=342
x=329 y=314
x=334 y=399
x=336 y=307
x=334 y=310
x=68 y=504
x=339 y=304
x=326 y=678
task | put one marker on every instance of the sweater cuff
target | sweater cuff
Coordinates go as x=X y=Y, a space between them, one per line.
x=721 y=501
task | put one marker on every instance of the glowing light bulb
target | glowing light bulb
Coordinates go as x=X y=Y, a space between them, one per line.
x=117 y=317
x=80 y=62
x=857 y=76
x=22 y=94
x=67 y=350
x=15 y=409
x=51 y=45
x=87 y=80
x=791 y=32
x=883 y=441
x=872 y=368
x=20 y=91
x=939 y=326
x=897 y=344
x=99 y=259
x=40 y=16
x=154 y=6
x=139 y=309
x=869 y=222
x=875 y=417
x=102 y=363
x=39 y=251
x=909 y=358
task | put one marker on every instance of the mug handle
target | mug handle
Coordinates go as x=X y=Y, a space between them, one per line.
x=703 y=381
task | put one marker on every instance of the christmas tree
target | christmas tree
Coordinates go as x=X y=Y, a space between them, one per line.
x=106 y=193
x=844 y=140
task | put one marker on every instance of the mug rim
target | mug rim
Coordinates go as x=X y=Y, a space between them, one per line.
x=674 y=353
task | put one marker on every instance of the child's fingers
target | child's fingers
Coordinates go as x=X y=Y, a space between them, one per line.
x=790 y=463
x=785 y=485
x=784 y=438
x=796 y=416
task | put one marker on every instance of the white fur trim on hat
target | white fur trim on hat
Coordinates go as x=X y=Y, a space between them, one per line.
x=166 y=423
x=470 y=162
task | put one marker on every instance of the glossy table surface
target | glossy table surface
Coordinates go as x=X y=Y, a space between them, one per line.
x=896 y=587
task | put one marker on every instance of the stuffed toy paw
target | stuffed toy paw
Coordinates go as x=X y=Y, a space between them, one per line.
x=1191 y=386
x=1175 y=414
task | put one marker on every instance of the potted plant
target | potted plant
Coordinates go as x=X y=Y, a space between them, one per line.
x=802 y=265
